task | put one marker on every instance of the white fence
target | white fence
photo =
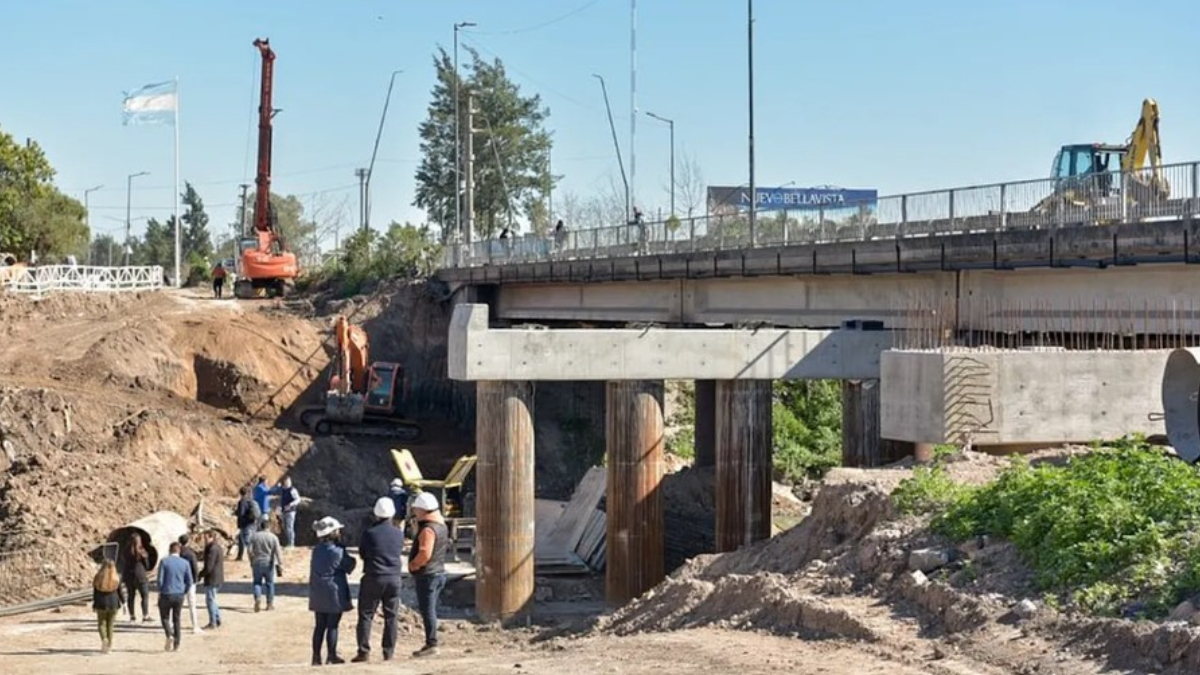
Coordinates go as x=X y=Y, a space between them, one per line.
x=74 y=278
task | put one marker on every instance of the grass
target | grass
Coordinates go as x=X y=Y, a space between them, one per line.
x=1112 y=532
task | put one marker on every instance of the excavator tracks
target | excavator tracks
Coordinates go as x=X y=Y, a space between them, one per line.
x=315 y=420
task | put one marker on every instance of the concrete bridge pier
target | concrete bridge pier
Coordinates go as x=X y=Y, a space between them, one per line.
x=634 y=443
x=504 y=499
x=743 y=450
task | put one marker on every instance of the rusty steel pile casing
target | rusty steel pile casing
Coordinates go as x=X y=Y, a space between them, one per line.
x=504 y=499
x=744 y=437
x=634 y=520
x=862 y=444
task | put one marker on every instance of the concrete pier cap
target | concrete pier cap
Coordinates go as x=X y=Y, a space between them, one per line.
x=1181 y=402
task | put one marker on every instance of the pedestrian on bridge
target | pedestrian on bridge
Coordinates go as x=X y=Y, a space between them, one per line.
x=106 y=601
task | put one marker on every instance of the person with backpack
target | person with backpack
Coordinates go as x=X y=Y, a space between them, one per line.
x=106 y=601
x=248 y=515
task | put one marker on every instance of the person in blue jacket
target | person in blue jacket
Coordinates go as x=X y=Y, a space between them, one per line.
x=262 y=495
x=328 y=588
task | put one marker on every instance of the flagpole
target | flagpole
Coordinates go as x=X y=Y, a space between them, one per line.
x=178 y=240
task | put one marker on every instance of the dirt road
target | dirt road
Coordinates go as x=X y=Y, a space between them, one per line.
x=66 y=642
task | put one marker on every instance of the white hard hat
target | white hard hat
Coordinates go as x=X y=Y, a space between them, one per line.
x=327 y=526
x=397 y=482
x=385 y=508
x=426 y=502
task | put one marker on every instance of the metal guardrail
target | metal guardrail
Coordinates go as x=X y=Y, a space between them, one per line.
x=56 y=278
x=1024 y=205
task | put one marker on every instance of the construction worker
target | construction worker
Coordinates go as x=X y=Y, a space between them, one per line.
x=399 y=496
x=380 y=547
x=427 y=565
x=218 y=279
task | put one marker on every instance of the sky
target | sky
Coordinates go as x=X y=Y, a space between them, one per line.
x=896 y=96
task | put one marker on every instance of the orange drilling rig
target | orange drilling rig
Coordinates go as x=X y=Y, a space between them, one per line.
x=265 y=268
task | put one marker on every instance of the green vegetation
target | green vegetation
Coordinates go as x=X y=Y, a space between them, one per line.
x=807 y=416
x=683 y=442
x=34 y=214
x=1110 y=530
x=403 y=251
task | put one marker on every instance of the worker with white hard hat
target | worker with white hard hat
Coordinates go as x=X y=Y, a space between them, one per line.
x=328 y=588
x=381 y=547
x=427 y=565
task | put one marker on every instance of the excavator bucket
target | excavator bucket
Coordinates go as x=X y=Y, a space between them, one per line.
x=344 y=408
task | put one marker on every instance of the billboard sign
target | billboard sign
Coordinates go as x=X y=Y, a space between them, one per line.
x=792 y=199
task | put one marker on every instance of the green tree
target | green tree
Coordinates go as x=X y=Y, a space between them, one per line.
x=511 y=148
x=156 y=245
x=196 y=240
x=34 y=215
x=807 y=416
x=102 y=247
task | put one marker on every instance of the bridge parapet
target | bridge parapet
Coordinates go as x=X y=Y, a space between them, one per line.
x=83 y=279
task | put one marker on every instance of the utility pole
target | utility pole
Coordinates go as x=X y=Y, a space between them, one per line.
x=469 y=196
x=362 y=198
x=617 y=146
x=378 y=135
x=750 y=63
x=633 y=100
x=241 y=225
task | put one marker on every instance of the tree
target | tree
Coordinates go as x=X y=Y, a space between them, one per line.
x=689 y=185
x=34 y=214
x=807 y=420
x=105 y=250
x=197 y=243
x=156 y=246
x=511 y=149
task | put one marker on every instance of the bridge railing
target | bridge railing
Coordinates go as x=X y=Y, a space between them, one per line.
x=80 y=278
x=1021 y=205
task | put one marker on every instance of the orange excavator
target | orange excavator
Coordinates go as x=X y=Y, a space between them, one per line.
x=266 y=268
x=363 y=398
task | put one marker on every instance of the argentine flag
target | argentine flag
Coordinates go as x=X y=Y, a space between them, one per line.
x=151 y=104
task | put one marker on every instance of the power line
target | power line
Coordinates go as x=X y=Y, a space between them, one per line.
x=530 y=29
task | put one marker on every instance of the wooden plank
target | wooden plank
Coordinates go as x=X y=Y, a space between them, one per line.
x=576 y=517
x=546 y=513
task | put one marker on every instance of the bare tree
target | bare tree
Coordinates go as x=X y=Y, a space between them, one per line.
x=690 y=189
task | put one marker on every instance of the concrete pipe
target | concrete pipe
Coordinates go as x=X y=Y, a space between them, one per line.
x=157 y=530
x=1181 y=402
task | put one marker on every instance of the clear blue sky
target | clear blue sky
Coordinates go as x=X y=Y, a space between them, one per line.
x=899 y=96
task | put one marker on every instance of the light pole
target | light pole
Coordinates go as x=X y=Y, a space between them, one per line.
x=670 y=123
x=87 y=219
x=458 y=139
x=620 y=163
x=378 y=135
x=128 y=206
x=750 y=92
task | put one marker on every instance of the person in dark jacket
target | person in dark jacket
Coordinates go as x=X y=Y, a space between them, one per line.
x=137 y=564
x=186 y=552
x=399 y=497
x=106 y=600
x=212 y=575
x=381 y=547
x=427 y=565
x=328 y=588
x=248 y=514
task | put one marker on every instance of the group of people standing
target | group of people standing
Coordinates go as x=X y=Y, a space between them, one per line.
x=381 y=547
x=177 y=576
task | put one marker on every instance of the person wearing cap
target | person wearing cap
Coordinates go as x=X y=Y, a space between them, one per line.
x=266 y=561
x=381 y=547
x=427 y=565
x=328 y=588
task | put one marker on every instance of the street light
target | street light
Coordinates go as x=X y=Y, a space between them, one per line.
x=128 y=205
x=458 y=139
x=87 y=218
x=378 y=135
x=620 y=163
x=670 y=123
x=750 y=97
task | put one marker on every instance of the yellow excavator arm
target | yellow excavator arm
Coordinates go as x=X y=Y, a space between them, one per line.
x=1144 y=141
